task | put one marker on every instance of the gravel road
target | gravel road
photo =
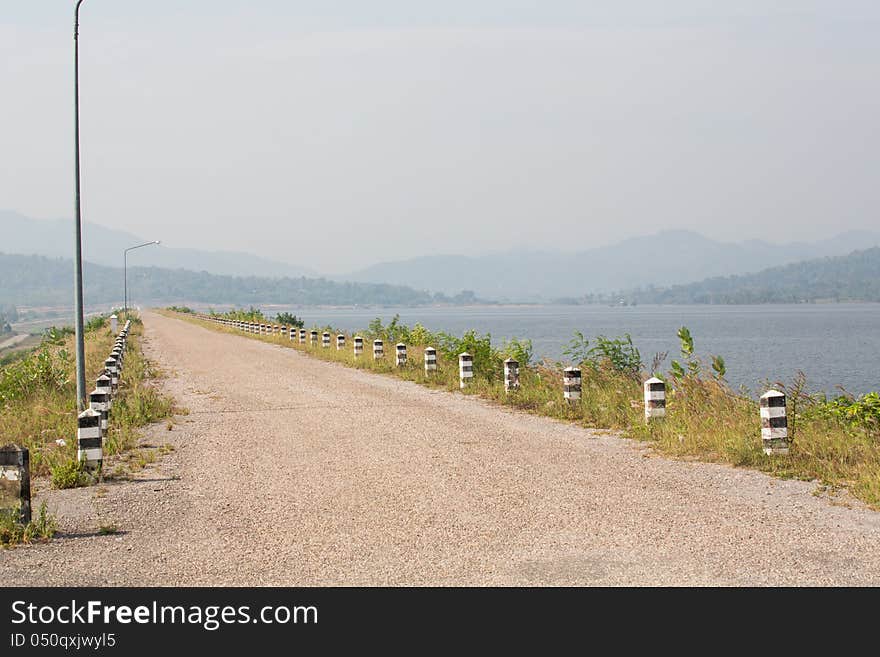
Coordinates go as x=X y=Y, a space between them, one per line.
x=293 y=471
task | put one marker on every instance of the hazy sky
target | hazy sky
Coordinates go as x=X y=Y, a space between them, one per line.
x=335 y=134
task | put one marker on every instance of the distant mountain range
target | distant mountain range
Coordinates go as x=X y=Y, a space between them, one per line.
x=667 y=258
x=662 y=260
x=37 y=281
x=104 y=246
x=853 y=277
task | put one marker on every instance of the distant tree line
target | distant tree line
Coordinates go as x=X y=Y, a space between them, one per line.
x=853 y=277
x=36 y=280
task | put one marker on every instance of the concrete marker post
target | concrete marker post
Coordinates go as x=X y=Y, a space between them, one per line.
x=400 y=355
x=114 y=323
x=340 y=342
x=465 y=369
x=358 y=346
x=511 y=375
x=378 y=349
x=104 y=384
x=430 y=360
x=571 y=385
x=313 y=338
x=325 y=340
x=774 y=423
x=15 y=481
x=88 y=440
x=655 y=399
x=113 y=371
x=99 y=401
x=302 y=336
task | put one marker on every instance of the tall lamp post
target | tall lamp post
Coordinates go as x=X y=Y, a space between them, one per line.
x=125 y=268
x=78 y=284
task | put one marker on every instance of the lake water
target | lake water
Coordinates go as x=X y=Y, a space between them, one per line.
x=834 y=344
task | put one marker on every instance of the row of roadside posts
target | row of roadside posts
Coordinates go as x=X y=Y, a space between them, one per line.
x=15 y=480
x=774 y=424
x=92 y=422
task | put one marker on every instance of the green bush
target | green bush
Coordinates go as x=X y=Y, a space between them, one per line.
x=39 y=370
x=12 y=531
x=286 y=319
x=69 y=474
x=520 y=350
x=618 y=354
x=96 y=323
x=392 y=334
x=487 y=361
x=419 y=336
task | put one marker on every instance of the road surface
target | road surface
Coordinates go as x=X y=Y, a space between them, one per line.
x=294 y=471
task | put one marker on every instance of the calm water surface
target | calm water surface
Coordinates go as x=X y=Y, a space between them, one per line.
x=834 y=344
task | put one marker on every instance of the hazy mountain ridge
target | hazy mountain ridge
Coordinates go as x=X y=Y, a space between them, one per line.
x=664 y=259
x=853 y=277
x=39 y=281
x=104 y=246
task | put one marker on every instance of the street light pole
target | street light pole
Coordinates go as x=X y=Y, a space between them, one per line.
x=78 y=285
x=125 y=270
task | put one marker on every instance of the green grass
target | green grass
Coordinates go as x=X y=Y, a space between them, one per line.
x=13 y=532
x=705 y=419
x=38 y=402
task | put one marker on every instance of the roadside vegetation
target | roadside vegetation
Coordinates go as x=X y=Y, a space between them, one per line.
x=38 y=402
x=835 y=441
x=13 y=532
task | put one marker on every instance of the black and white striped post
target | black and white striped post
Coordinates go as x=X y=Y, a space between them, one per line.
x=511 y=375
x=378 y=349
x=358 y=346
x=774 y=423
x=655 y=399
x=313 y=338
x=400 y=354
x=571 y=385
x=430 y=360
x=325 y=340
x=340 y=342
x=99 y=401
x=88 y=439
x=104 y=385
x=113 y=371
x=15 y=481
x=465 y=369
x=292 y=333
x=302 y=336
